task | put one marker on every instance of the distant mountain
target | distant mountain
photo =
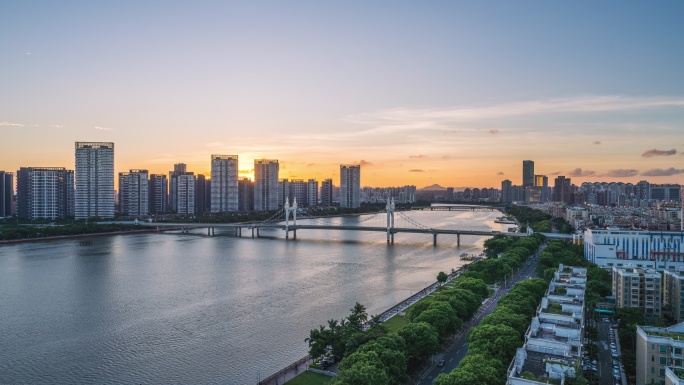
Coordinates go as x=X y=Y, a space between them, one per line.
x=434 y=187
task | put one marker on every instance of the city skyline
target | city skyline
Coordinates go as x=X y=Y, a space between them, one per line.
x=452 y=94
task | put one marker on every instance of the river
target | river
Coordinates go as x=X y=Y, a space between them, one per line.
x=171 y=308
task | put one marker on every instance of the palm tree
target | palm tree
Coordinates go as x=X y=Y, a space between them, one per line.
x=333 y=325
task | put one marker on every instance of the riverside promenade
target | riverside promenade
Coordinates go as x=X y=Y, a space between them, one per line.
x=294 y=369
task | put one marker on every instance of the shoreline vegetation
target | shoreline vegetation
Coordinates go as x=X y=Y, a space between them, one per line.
x=390 y=353
x=12 y=231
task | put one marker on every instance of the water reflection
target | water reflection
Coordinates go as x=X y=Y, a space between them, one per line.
x=191 y=309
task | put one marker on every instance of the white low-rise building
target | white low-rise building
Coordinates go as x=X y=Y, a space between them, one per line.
x=659 y=250
x=553 y=343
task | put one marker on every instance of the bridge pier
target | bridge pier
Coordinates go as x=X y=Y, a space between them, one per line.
x=252 y=232
x=434 y=239
x=458 y=240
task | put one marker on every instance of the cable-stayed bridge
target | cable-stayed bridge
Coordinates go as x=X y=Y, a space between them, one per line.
x=286 y=220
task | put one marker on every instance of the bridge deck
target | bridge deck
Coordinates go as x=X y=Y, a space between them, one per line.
x=393 y=230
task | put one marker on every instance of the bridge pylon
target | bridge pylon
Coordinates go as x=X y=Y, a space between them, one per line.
x=289 y=209
x=390 y=220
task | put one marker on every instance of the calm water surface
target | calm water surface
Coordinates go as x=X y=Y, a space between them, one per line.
x=163 y=308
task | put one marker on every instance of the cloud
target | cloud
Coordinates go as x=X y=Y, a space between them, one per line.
x=11 y=124
x=660 y=172
x=418 y=157
x=103 y=128
x=555 y=173
x=445 y=157
x=58 y=125
x=28 y=52
x=245 y=171
x=578 y=172
x=597 y=142
x=653 y=152
x=362 y=163
x=621 y=173
x=500 y=173
x=493 y=132
x=416 y=170
x=410 y=119
x=310 y=164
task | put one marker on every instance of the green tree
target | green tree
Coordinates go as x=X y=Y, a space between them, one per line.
x=362 y=368
x=505 y=316
x=498 y=341
x=442 y=317
x=442 y=277
x=391 y=351
x=421 y=339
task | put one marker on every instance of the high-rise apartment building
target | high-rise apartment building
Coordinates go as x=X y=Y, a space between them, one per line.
x=327 y=193
x=224 y=183
x=312 y=193
x=159 y=193
x=298 y=192
x=562 y=190
x=673 y=293
x=638 y=287
x=283 y=191
x=245 y=194
x=6 y=193
x=350 y=185
x=506 y=193
x=45 y=192
x=185 y=193
x=658 y=351
x=134 y=193
x=266 y=184
x=94 y=180
x=201 y=193
x=180 y=169
x=528 y=173
x=666 y=192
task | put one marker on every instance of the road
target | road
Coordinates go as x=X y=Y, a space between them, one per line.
x=459 y=348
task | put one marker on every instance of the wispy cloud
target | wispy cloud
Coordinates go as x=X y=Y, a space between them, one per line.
x=597 y=142
x=493 y=132
x=362 y=163
x=58 y=125
x=413 y=118
x=103 y=128
x=418 y=157
x=555 y=173
x=11 y=124
x=578 y=172
x=621 y=173
x=500 y=173
x=416 y=170
x=653 y=152
x=662 y=172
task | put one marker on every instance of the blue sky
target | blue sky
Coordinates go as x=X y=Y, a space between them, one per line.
x=456 y=93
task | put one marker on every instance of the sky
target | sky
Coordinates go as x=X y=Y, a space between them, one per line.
x=456 y=93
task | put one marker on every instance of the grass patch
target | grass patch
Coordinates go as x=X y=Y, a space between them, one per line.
x=310 y=378
x=396 y=322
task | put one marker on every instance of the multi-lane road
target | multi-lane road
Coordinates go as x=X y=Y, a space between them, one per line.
x=459 y=347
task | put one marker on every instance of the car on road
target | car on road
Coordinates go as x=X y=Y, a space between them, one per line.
x=440 y=363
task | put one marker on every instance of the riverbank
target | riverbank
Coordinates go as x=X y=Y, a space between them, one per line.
x=291 y=371
x=75 y=236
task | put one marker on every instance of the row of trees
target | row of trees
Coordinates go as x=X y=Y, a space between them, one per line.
x=10 y=232
x=493 y=343
x=540 y=222
x=389 y=356
x=380 y=356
